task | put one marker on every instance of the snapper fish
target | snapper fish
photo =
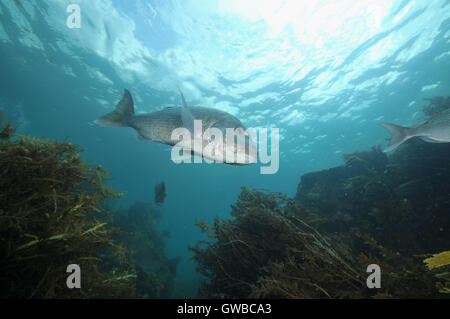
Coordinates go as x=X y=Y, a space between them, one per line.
x=158 y=127
x=434 y=130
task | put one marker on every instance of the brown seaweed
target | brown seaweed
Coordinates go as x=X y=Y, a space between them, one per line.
x=52 y=214
x=267 y=251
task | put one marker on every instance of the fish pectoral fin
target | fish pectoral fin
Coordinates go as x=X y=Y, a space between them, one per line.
x=186 y=115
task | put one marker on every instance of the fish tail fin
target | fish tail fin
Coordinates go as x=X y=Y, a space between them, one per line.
x=399 y=135
x=119 y=116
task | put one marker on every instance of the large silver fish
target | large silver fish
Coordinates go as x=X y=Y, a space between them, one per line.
x=435 y=130
x=158 y=127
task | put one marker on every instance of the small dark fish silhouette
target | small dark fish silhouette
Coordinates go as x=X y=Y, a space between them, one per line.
x=160 y=193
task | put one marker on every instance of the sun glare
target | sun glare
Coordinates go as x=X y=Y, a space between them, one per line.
x=311 y=21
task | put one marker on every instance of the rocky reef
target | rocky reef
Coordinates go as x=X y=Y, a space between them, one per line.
x=402 y=200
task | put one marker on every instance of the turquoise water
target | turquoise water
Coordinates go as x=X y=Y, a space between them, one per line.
x=323 y=72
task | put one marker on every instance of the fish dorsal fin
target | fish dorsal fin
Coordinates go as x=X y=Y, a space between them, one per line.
x=186 y=115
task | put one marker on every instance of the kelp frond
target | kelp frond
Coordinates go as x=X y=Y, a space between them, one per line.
x=52 y=214
x=438 y=260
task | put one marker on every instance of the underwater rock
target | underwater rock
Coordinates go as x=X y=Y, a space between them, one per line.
x=337 y=192
x=402 y=200
x=404 y=203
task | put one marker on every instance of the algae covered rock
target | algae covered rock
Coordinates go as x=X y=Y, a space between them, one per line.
x=403 y=201
x=340 y=193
